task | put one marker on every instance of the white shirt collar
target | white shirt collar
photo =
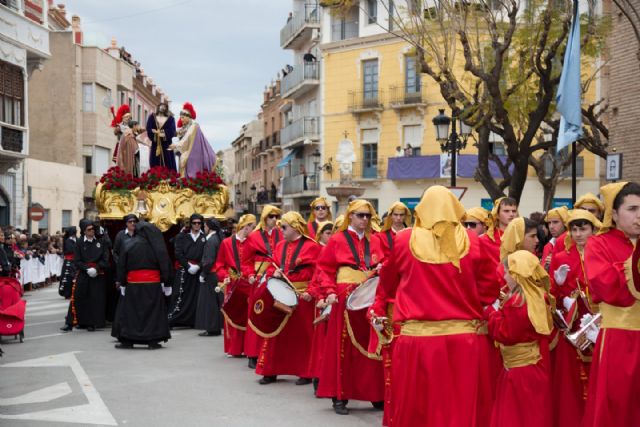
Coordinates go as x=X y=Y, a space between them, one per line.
x=210 y=234
x=126 y=231
x=360 y=235
x=195 y=236
x=240 y=239
x=87 y=240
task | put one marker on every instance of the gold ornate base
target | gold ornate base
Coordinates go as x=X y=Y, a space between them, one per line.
x=163 y=206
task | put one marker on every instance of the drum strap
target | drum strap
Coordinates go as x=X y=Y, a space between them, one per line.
x=354 y=252
x=314 y=225
x=265 y=239
x=389 y=239
x=236 y=253
x=292 y=262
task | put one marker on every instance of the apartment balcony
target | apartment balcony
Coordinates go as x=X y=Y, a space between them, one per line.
x=304 y=78
x=300 y=185
x=305 y=130
x=300 y=27
x=369 y=170
x=275 y=141
x=404 y=97
x=15 y=25
x=367 y=101
x=13 y=146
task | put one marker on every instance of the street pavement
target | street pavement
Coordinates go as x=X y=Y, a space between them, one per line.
x=79 y=378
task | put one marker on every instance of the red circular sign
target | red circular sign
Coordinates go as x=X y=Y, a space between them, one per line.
x=36 y=213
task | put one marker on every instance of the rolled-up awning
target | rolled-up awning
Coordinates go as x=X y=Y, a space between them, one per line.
x=286 y=159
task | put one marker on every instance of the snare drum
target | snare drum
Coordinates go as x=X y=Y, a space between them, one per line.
x=272 y=305
x=364 y=295
x=235 y=307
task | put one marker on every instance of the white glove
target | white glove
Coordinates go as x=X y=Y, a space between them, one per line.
x=592 y=333
x=585 y=319
x=379 y=324
x=496 y=304
x=202 y=279
x=122 y=290
x=568 y=302
x=560 y=275
x=92 y=272
x=166 y=290
x=193 y=269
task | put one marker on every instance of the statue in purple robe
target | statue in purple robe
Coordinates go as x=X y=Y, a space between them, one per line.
x=196 y=154
x=161 y=128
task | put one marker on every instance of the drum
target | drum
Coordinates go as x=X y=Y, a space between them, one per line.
x=235 y=307
x=272 y=305
x=364 y=295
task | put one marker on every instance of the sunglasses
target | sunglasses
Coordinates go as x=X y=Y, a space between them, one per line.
x=471 y=224
x=196 y=222
x=363 y=215
x=321 y=208
x=274 y=216
x=132 y=220
x=89 y=229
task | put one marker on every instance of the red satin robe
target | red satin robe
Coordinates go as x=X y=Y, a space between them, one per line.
x=346 y=372
x=288 y=352
x=257 y=252
x=437 y=380
x=233 y=338
x=312 y=228
x=568 y=371
x=320 y=329
x=523 y=394
x=488 y=287
x=385 y=239
x=614 y=379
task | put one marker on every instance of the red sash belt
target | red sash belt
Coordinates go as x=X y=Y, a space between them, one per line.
x=143 y=276
x=69 y=257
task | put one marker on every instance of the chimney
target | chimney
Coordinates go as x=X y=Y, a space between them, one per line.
x=77 y=29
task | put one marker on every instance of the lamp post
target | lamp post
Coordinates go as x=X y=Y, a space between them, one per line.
x=451 y=143
x=253 y=208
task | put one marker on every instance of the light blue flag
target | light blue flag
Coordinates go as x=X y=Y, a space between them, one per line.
x=568 y=99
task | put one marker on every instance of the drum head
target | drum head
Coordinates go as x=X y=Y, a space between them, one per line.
x=364 y=295
x=282 y=292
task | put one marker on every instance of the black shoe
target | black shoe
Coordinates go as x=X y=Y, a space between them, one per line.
x=91 y=328
x=253 y=361
x=378 y=405
x=67 y=328
x=124 y=346
x=340 y=407
x=268 y=380
x=209 y=334
x=303 y=381
x=154 y=345
x=316 y=383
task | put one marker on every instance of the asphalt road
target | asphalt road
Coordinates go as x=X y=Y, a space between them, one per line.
x=79 y=378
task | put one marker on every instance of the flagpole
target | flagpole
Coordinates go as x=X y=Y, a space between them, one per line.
x=574 y=167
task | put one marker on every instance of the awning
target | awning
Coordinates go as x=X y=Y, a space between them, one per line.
x=286 y=159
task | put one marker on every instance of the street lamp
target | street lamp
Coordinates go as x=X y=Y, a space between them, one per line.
x=253 y=208
x=451 y=143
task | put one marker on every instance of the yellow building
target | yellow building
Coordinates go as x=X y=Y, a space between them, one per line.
x=372 y=93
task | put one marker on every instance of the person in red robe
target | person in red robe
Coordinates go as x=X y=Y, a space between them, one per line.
x=258 y=256
x=556 y=219
x=612 y=270
x=522 y=326
x=591 y=203
x=320 y=212
x=288 y=352
x=440 y=358
x=348 y=370
x=398 y=218
x=477 y=219
x=570 y=288
x=229 y=271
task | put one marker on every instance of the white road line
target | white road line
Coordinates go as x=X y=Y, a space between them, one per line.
x=45 y=313
x=43 y=336
x=42 y=323
x=46 y=394
x=46 y=307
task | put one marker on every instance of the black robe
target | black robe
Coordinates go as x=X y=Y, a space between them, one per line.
x=88 y=296
x=208 y=314
x=184 y=297
x=68 y=274
x=142 y=314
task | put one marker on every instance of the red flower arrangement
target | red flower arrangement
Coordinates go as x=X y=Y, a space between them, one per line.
x=117 y=180
x=204 y=182
x=151 y=178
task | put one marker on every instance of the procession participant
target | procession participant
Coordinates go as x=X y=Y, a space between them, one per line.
x=320 y=212
x=351 y=256
x=398 y=218
x=477 y=219
x=87 y=305
x=591 y=203
x=143 y=267
x=120 y=124
x=522 y=326
x=229 y=271
x=127 y=157
x=440 y=356
x=68 y=270
x=161 y=129
x=325 y=231
x=188 y=254
x=556 y=219
x=124 y=236
x=208 y=314
x=520 y=234
x=256 y=258
x=570 y=288
x=614 y=379
x=196 y=154
x=288 y=352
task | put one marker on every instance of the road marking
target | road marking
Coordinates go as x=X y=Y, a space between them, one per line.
x=45 y=313
x=37 y=337
x=94 y=412
x=46 y=394
x=43 y=323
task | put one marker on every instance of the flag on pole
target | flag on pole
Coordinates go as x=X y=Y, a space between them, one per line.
x=568 y=99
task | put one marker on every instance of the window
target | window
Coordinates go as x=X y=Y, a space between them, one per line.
x=343 y=28
x=122 y=98
x=411 y=75
x=130 y=102
x=548 y=168
x=66 y=219
x=412 y=135
x=139 y=113
x=43 y=224
x=370 y=81
x=372 y=11
x=101 y=160
x=392 y=12
x=88 y=98
x=88 y=164
x=370 y=153
x=146 y=114
x=11 y=94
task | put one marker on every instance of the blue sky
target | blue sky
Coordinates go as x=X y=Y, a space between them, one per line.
x=216 y=54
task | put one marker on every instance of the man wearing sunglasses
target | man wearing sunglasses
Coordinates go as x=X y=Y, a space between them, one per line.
x=256 y=258
x=124 y=236
x=88 y=299
x=188 y=248
x=320 y=212
x=349 y=259
x=397 y=219
x=476 y=220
